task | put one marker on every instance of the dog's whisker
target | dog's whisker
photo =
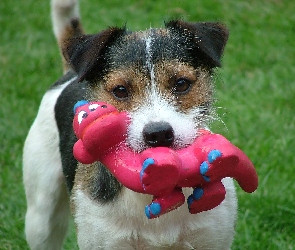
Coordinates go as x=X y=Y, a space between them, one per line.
x=216 y=117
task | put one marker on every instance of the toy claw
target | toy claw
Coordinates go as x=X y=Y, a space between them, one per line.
x=160 y=171
x=147 y=162
x=213 y=156
x=226 y=160
x=153 y=210
x=164 y=204
x=206 y=197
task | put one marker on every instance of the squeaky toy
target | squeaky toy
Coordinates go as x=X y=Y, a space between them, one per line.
x=160 y=171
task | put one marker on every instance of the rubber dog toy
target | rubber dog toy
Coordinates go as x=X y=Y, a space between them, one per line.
x=160 y=171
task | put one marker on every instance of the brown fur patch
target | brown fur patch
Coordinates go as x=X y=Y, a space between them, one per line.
x=84 y=175
x=200 y=92
x=97 y=182
x=137 y=82
x=132 y=78
x=84 y=179
x=73 y=29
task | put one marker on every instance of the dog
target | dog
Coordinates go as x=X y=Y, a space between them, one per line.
x=159 y=76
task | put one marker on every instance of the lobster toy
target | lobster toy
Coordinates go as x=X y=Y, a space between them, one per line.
x=160 y=171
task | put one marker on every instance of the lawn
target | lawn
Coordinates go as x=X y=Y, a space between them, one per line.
x=255 y=93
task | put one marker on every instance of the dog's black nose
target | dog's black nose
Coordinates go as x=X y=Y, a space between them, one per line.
x=158 y=134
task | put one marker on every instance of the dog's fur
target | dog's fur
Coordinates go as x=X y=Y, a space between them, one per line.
x=157 y=75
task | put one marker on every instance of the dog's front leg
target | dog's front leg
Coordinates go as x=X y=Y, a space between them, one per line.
x=47 y=197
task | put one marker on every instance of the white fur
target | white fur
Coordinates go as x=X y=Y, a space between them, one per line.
x=102 y=227
x=63 y=12
x=47 y=197
x=156 y=109
x=149 y=63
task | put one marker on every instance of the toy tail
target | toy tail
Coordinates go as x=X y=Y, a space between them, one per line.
x=66 y=23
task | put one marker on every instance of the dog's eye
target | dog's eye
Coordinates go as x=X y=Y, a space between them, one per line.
x=182 y=86
x=81 y=116
x=120 y=92
x=93 y=107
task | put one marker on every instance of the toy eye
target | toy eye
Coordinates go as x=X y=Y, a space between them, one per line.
x=182 y=86
x=81 y=116
x=93 y=107
x=120 y=92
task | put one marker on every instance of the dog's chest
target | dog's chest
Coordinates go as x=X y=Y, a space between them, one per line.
x=121 y=224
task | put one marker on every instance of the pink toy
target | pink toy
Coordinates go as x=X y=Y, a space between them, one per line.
x=160 y=171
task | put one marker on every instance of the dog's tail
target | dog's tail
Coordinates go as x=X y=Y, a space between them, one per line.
x=66 y=23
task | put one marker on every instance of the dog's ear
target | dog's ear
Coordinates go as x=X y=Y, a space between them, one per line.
x=86 y=54
x=209 y=39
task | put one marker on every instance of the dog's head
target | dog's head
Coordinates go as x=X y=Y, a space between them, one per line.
x=162 y=77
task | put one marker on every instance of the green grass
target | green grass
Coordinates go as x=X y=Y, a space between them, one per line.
x=255 y=90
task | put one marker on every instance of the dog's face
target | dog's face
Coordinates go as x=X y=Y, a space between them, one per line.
x=162 y=77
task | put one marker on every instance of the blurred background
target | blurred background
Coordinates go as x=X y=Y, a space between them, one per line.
x=255 y=99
